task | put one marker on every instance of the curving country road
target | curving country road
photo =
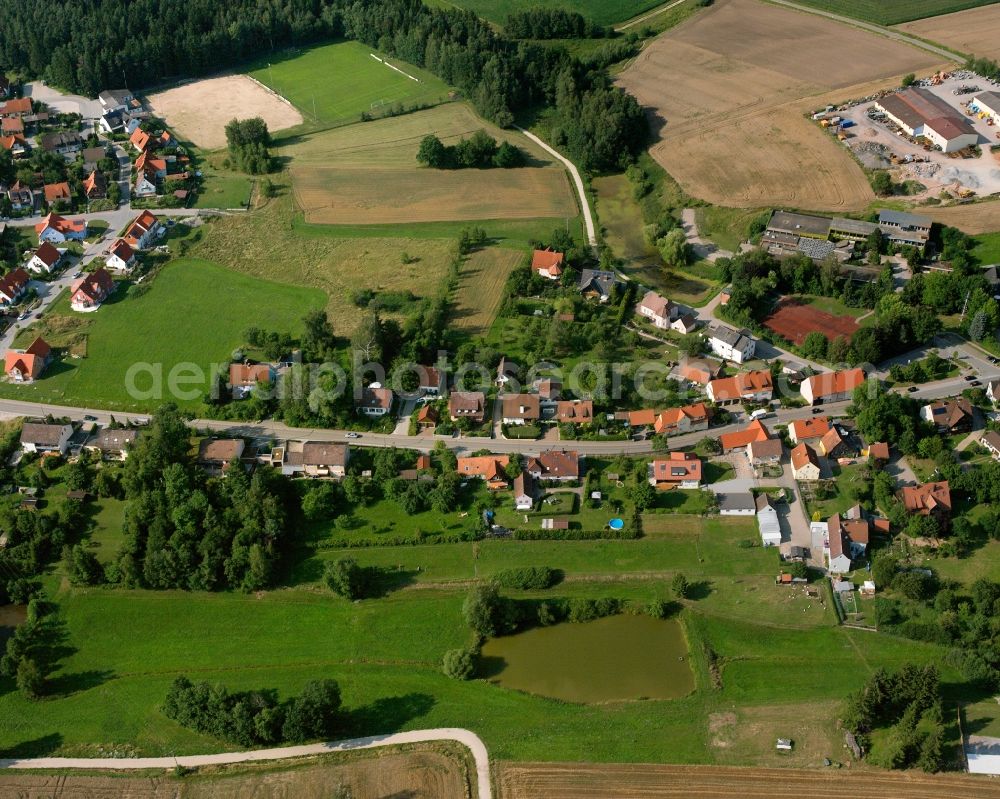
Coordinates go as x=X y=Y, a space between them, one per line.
x=581 y=191
x=465 y=737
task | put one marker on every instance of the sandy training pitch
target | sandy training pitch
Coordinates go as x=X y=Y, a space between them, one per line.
x=199 y=111
x=624 y=781
x=367 y=173
x=729 y=90
x=793 y=320
x=976 y=31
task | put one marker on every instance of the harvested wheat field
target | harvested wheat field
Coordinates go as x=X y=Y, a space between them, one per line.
x=623 y=781
x=199 y=111
x=975 y=32
x=480 y=288
x=367 y=174
x=730 y=89
x=973 y=218
x=361 y=197
x=415 y=775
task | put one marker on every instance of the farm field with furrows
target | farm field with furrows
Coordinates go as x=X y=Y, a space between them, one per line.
x=730 y=118
x=579 y=781
x=973 y=218
x=892 y=12
x=367 y=174
x=480 y=287
x=420 y=772
x=975 y=31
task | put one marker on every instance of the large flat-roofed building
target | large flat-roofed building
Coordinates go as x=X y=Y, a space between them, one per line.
x=851 y=229
x=920 y=112
x=987 y=104
x=903 y=228
x=813 y=227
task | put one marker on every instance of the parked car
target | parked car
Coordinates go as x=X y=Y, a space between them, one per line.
x=354 y=435
x=911 y=389
x=817 y=410
x=969 y=378
x=976 y=383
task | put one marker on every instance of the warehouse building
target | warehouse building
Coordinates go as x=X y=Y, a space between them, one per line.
x=922 y=113
x=987 y=104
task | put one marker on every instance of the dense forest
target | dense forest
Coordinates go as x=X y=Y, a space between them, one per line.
x=90 y=45
x=185 y=530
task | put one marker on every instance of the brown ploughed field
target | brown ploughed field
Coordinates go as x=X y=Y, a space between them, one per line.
x=730 y=90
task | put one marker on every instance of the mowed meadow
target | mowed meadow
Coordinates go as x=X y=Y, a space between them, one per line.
x=781 y=657
x=336 y=83
x=368 y=174
x=192 y=312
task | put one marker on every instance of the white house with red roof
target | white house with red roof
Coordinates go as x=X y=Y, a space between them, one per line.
x=547 y=264
x=144 y=230
x=120 y=257
x=24 y=366
x=13 y=285
x=87 y=293
x=45 y=259
x=57 y=229
x=657 y=309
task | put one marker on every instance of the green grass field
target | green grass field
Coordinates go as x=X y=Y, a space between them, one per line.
x=893 y=12
x=193 y=312
x=782 y=657
x=603 y=12
x=336 y=83
x=987 y=249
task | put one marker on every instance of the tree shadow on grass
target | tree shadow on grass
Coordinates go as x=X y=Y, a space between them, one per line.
x=38 y=747
x=68 y=684
x=387 y=715
x=701 y=589
x=384 y=581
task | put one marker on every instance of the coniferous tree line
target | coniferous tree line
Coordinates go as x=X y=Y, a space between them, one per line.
x=551 y=23
x=90 y=45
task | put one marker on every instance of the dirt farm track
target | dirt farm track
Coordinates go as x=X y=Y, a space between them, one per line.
x=623 y=781
x=729 y=90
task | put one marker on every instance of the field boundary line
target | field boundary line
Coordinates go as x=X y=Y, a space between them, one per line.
x=269 y=90
x=881 y=30
x=650 y=15
x=581 y=191
x=465 y=737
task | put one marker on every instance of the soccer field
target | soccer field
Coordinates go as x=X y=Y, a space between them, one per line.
x=338 y=82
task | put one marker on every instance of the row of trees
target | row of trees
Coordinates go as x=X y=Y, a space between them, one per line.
x=254 y=717
x=481 y=151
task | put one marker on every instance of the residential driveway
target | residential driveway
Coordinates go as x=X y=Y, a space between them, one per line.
x=735 y=485
x=795 y=528
x=64 y=103
x=900 y=469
